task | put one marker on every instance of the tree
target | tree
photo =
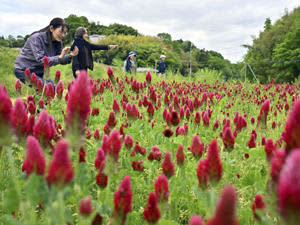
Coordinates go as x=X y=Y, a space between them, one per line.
x=287 y=57
x=148 y=48
x=121 y=29
x=74 y=22
x=186 y=46
x=216 y=63
x=268 y=24
x=164 y=36
x=202 y=58
x=275 y=53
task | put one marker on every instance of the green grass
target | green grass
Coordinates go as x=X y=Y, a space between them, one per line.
x=9 y=55
x=7 y=77
x=21 y=195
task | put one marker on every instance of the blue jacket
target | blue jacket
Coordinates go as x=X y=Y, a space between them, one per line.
x=32 y=54
x=162 y=67
x=128 y=65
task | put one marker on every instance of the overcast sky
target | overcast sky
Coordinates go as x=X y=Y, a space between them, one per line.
x=220 y=25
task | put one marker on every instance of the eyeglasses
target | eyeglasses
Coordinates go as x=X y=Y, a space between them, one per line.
x=63 y=32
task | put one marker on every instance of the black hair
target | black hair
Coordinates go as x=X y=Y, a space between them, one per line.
x=55 y=23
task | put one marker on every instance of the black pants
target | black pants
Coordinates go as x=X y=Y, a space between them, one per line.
x=21 y=77
x=74 y=72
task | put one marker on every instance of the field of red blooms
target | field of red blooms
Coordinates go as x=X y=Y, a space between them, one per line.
x=122 y=151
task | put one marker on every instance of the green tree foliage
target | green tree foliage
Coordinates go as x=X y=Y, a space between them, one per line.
x=165 y=36
x=4 y=42
x=148 y=48
x=95 y=28
x=287 y=56
x=202 y=58
x=268 y=24
x=74 y=22
x=186 y=46
x=120 y=29
x=12 y=42
x=276 y=52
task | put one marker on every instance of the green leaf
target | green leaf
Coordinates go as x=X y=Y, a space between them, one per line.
x=36 y=189
x=11 y=200
x=68 y=215
x=9 y=220
x=105 y=210
x=89 y=143
x=81 y=174
x=167 y=222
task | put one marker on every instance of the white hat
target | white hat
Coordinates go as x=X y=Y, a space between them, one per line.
x=131 y=54
x=162 y=56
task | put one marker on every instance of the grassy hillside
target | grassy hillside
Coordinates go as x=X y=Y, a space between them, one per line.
x=9 y=55
x=31 y=200
x=7 y=77
x=148 y=48
x=7 y=58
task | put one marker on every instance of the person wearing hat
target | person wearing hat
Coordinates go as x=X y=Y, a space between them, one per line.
x=129 y=63
x=162 y=65
x=84 y=59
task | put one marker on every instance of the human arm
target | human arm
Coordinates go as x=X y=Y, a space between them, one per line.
x=65 y=58
x=99 y=47
x=75 y=63
x=112 y=46
x=38 y=50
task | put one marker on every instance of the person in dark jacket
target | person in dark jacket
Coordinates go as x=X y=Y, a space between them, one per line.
x=129 y=63
x=45 y=42
x=162 y=65
x=84 y=59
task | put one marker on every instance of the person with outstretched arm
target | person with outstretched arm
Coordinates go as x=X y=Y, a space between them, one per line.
x=45 y=42
x=84 y=59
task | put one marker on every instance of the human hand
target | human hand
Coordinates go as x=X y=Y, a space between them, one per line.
x=64 y=52
x=74 y=52
x=112 y=46
x=77 y=72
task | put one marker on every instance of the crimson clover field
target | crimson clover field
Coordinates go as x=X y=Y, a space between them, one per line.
x=153 y=151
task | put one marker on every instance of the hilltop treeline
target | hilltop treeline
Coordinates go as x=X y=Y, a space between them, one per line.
x=275 y=53
x=149 y=48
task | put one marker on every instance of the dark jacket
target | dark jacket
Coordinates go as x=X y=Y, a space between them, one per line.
x=32 y=54
x=162 y=67
x=128 y=65
x=84 y=59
